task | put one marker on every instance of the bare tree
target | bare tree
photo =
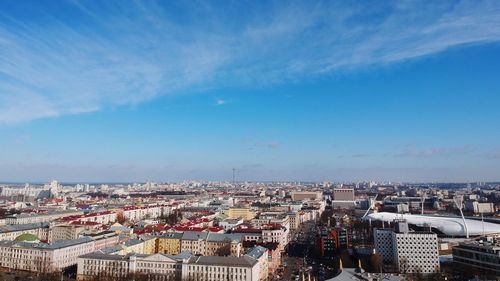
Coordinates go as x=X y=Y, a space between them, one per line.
x=225 y=249
x=377 y=262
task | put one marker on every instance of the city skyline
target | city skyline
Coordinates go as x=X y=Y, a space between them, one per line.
x=311 y=91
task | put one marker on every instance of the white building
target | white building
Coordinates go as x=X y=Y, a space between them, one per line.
x=42 y=257
x=228 y=224
x=26 y=218
x=184 y=266
x=410 y=252
x=478 y=208
x=137 y=213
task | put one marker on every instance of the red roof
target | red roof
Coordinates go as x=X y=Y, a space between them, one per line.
x=84 y=223
x=247 y=230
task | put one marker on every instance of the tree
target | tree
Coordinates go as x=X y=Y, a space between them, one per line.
x=120 y=218
x=403 y=265
x=225 y=249
x=377 y=262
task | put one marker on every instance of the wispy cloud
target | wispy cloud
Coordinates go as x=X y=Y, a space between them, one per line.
x=116 y=53
x=412 y=151
x=252 y=145
x=270 y=144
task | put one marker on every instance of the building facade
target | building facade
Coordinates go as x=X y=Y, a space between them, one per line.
x=184 y=266
x=42 y=257
x=483 y=255
x=410 y=252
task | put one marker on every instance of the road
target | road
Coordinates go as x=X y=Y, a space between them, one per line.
x=299 y=256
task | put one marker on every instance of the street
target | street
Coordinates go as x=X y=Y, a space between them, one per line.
x=300 y=258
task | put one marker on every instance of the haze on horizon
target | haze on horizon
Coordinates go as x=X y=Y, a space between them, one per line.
x=129 y=91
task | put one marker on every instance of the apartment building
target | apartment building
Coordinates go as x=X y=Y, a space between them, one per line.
x=106 y=217
x=275 y=234
x=244 y=213
x=133 y=246
x=169 y=243
x=149 y=244
x=228 y=224
x=211 y=244
x=249 y=233
x=27 y=218
x=294 y=220
x=332 y=239
x=103 y=239
x=137 y=213
x=65 y=232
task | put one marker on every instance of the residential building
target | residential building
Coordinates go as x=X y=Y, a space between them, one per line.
x=65 y=232
x=228 y=224
x=133 y=246
x=212 y=244
x=169 y=243
x=27 y=218
x=149 y=244
x=331 y=240
x=294 y=220
x=244 y=213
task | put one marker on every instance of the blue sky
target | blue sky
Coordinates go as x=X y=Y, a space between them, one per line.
x=167 y=91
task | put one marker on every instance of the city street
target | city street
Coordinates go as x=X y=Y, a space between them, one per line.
x=299 y=256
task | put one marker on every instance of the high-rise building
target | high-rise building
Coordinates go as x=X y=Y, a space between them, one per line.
x=410 y=252
x=343 y=198
x=343 y=194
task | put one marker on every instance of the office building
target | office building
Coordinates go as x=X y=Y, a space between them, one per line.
x=410 y=252
x=483 y=255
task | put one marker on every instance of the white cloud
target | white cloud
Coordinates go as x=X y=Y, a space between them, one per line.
x=125 y=54
x=221 y=102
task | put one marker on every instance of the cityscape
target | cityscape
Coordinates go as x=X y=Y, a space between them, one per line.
x=150 y=140
x=250 y=231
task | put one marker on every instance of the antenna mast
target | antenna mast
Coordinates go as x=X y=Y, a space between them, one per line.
x=371 y=205
x=423 y=200
x=458 y=201
x=234 y=176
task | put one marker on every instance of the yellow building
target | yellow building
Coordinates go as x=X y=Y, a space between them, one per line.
x=149 y=244
x=169 y=243
x=245 y=213
x=133 y=246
